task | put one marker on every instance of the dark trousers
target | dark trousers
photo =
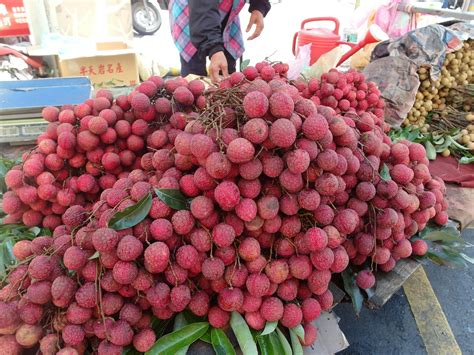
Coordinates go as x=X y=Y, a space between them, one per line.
x=197 y=65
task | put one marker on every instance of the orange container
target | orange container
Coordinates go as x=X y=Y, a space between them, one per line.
x=322 y=40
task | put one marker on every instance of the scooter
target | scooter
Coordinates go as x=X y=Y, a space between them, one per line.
x=146 y=16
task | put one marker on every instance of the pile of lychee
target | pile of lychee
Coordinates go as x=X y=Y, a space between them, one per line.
x=280 y=193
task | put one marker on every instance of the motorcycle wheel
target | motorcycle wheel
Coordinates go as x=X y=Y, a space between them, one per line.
x=146 y=20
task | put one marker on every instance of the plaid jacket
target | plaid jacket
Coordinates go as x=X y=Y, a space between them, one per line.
x=232 y=35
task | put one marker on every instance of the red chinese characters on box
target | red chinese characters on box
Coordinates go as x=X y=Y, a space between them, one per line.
x=101 y=69
x=111 y=68
x=13 y=19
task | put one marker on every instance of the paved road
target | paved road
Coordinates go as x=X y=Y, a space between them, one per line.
x=393 y=330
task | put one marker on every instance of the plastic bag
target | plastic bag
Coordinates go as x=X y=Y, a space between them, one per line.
x=362 y=58
x=325 y=62
x=397 y=79
x=301 y=62
x=394 y=22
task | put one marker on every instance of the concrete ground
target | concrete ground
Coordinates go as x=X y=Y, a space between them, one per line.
x=393 y=330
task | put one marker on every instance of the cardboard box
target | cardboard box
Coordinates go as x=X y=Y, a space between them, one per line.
x=91 y=19
x=112 y=67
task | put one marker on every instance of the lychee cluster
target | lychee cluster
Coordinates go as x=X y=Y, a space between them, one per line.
x=344 y=92
x=283 y=193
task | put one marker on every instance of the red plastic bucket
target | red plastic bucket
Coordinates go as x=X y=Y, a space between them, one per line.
x=322 y=40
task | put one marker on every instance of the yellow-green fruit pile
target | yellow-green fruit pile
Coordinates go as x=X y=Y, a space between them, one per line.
x=467 y=134
x=457 y=72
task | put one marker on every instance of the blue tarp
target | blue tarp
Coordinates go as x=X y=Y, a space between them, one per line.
x=21 y=95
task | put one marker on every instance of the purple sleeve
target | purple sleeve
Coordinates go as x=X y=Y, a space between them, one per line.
x=261 y=5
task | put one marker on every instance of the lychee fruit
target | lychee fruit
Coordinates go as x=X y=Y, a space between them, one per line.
x=213 y=268
x=230 y=299
x=255 y=104
x=249 y=249
x=144 y=340
x=255 y=130
x=240 y=151
x=258 y=284
x=227 y=195
x=272 y=309
x=129 y=248
x=365 y=279
x=217 y=317
x=105 y=239
x=419 y=247
x=292 y=315
x=282 y=133
x=156 y=257
x=187 y=256
x=315 y=127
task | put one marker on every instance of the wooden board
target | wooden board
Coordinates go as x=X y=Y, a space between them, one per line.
x=337 y=293
x=461 y=204
x=389 y=283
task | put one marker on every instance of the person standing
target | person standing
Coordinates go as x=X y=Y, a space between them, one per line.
x=204 y=29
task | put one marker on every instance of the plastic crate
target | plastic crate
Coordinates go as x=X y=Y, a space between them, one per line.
x=25 y=131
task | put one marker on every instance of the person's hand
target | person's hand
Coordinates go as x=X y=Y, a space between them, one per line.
x=256 y=18
x=218 y=64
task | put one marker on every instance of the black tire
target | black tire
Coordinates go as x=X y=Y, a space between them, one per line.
x=146 y=21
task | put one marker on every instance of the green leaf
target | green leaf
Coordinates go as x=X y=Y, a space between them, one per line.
x=206 y=337
x=441 y=233
x=192 y=318
x=295 y=343
x=172 y=342
x=446 y=258
x=35 y=230
x=173 y=198
x=244 y=64
x=299 y=331
x=243 y=335
x=264 y=345
x=456 y=144
x=3 y=169
x=269 y=328
x=443 y=236
x=412 y=134
x=179 y=322
x=10 y=259
x=2 y=264
x=277 y=347
x=159 y=326
x=284 y=342
x=467 y=258
x=46 y=232
x=430 y=150
x=466 y=160
x=385 y=173
x=445 y=244
x=132 y=215
x=221 y=343
x=94 y=256
x=352 y=290
x=370 y=291
x=255 y=334
x=442 y=147
x=130 y=350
